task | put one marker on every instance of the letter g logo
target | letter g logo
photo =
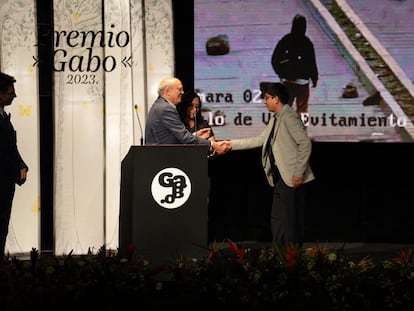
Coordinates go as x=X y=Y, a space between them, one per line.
x=171 y=188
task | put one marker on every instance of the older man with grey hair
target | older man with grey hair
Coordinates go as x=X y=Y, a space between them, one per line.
x=164 y=125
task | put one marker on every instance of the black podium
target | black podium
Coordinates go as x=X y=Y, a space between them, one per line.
x=164 y=199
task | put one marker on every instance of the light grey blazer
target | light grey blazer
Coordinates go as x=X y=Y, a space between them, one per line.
x=291 y=147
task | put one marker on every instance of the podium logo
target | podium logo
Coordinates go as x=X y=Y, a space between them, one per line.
x=171 y=188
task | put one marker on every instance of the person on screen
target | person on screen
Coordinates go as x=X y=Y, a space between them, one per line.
x=164 y=125
x=13 y=170
x=294 y=61
x=286 y=150
x=189 y=110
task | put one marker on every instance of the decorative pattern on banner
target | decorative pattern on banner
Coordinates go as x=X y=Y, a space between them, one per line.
x=108 y=64
x=17 y=58
x=109 y=57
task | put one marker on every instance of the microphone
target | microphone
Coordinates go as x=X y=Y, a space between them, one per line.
x=140 y=127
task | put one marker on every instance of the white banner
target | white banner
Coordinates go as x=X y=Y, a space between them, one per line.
x=108 y=62
x=17 y=50
x=108 y=69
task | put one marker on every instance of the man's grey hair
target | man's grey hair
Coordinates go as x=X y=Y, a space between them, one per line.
x=166 y=83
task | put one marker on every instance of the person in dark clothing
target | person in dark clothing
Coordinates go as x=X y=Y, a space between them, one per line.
x=189 y=110
x=13 y=170
x=294 y=61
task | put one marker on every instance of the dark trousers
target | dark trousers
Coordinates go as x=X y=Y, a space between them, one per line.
x=7 y=190
x=300 y=94
x=287 y=215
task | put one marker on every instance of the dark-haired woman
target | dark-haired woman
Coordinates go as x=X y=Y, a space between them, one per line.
x=189 y=110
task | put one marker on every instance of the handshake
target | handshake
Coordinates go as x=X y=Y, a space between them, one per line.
x=221 y=147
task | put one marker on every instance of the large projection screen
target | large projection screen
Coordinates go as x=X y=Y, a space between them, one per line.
x=247 y=32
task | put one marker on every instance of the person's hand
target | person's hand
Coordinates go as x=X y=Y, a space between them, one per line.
x=229 y=145
x=222 y=147
x=297 y=181
x=204 y=133
x=23 y=176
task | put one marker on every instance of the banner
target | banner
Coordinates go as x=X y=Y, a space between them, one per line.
x=17 y=49
x=104 y=68
x=109 y=57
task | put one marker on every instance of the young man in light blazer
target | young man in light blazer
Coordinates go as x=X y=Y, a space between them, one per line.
x=286 y=150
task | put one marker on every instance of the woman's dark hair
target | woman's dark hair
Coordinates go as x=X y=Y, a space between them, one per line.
x=186 y=101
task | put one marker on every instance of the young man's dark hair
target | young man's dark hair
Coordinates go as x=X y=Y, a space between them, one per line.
x=275 y=89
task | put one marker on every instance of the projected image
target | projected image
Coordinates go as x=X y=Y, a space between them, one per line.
x=356 y=89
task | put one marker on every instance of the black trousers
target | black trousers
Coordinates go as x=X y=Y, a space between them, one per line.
x=7 y=190
x=287 y=214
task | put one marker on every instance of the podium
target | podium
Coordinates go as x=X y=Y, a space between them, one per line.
x=164 y=202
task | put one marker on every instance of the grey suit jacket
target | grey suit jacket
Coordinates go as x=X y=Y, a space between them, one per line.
x=291 y=147
x=164 y=126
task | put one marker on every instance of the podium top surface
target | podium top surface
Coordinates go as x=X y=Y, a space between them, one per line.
x=168 y=150
x=171 y=145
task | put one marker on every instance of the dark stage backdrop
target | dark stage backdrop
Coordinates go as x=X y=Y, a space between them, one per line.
x=362 y=191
